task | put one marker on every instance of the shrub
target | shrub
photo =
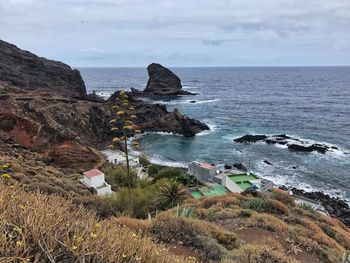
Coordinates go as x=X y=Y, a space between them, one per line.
x=267 y=222
x=184 y=211
x=267 y=252
x=211 y=240
x=308 y=208
x=168 y=172
x=170 y=195
x=283 y=197
x=51 y=229
x=266 y=205
x=153 y=169
x=116 y=176
x=144 y=161
x=141 y=226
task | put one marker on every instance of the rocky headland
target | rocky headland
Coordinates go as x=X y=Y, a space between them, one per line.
x=162 y=82
x=293 y=144
x=50 y=127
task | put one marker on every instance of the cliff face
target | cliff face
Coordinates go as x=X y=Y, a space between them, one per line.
x=24 y=69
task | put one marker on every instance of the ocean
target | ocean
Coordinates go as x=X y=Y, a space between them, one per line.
x=309 y=103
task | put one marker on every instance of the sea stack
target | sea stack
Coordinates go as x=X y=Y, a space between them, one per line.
x=163 y=82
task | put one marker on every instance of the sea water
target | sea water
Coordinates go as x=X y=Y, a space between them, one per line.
x=309 y=103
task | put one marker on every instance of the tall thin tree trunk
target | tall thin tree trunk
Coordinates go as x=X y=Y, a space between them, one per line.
x=129 y=176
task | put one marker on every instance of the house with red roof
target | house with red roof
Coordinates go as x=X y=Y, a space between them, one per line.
x=96 y=179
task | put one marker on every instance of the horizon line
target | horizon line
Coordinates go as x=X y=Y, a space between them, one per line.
x=298 y=66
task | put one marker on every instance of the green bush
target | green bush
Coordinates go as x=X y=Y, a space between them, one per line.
x=168 y=172
x=265 y=205
x=307 y=207
x=116 y=176
x=153 y=169
x=144 y=161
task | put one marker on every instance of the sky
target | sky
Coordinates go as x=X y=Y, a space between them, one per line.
x=183 y=33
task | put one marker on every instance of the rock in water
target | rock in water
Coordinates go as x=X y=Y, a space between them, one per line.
x=163 y=82
x=26 y=70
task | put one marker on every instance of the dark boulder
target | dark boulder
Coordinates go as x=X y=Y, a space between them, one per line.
x=267 y=162
x=240 y=166
x=250 y=138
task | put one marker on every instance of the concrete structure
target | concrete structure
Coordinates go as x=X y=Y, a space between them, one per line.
x=204 y=172
x=317 y=206
x=237 y=183
x=118 y=158
x=96 y=179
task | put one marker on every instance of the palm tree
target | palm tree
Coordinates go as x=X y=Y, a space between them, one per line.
x=170 y=195
x=123 y=127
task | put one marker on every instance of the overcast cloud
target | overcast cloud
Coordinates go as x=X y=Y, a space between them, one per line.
x=181 y=32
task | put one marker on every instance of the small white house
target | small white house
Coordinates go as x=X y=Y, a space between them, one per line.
x=96 y=179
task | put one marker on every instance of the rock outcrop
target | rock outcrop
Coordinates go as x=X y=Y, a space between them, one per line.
x=156 y=118
x=162 y=82
x=293 y=144
x=335 y=206
x=24 y=69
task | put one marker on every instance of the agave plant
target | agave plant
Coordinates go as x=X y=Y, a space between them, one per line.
x=123 y=127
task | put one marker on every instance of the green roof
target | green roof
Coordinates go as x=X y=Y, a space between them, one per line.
x=242 y=180
x=197 y=194
x=242 y=177
x=207 y=191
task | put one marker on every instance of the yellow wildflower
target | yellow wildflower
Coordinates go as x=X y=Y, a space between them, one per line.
x=133 y=116
x=122 y=93
x=120 y=112
x=114 y=129
x=115 y=107
x=97 y=225
x=21 y=206
x=110 y=146
x=74 y=247
x=116 y=139
x=131 y=108
x=19 y=243
x=128 y=127
x=137 y=131
x=113 y=121
x=6 y=175
x=5 y=166
x=93 y=235
x=135 y=144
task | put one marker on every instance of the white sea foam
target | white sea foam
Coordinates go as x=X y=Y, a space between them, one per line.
x=271 y=172
x=156 y=159
x=212 y=126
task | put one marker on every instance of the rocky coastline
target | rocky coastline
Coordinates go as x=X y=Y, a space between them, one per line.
x=50 y=128
x=293 y=144
x=336 y=207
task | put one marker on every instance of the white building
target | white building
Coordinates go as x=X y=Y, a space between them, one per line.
x=204 y=172
x=118 y=157
x=96 y=179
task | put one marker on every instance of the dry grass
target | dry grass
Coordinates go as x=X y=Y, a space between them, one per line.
x=209 y=239
x=268 y=222
x=283 y=197
x=42 y=228
x=267 y=251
